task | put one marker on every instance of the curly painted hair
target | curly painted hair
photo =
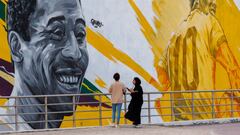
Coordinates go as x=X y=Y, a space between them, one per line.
x=18 y=14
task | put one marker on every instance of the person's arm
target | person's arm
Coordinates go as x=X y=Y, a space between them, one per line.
x=110 y=89
x=131 y=90
x=226 y=58
x=124 y=88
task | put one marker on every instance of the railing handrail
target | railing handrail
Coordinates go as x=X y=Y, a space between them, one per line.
x=98 y=94
x=172 y=114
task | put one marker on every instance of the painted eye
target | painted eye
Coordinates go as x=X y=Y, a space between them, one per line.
x=57 y=34
x=81 y=36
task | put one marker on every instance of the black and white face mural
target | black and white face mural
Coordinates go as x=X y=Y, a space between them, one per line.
x=48 y=48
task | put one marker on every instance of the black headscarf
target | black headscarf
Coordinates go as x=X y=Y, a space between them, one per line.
x=137 y=81
x=138 y=95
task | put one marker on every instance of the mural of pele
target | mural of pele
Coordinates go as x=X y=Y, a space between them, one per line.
x=48 y=49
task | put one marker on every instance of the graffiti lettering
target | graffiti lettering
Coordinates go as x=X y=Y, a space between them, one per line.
x=96 y=23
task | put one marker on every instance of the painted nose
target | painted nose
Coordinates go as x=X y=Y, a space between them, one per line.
x=71 y=50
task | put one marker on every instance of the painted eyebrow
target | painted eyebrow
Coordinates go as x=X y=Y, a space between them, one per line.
x=80 y=20
x=57 y=18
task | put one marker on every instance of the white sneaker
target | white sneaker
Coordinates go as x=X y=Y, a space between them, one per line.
x=116 y=126
x=137 y=126
x=112 y=125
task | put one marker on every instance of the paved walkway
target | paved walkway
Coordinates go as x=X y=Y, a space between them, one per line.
x=224 y=129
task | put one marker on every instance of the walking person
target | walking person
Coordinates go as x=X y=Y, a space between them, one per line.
x=117 y=89
x=135 y=106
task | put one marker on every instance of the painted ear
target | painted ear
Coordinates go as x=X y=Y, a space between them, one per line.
x=15 y=46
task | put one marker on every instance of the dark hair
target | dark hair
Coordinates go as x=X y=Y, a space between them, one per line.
x=137 y=81
x=18 y=14
x=116 y=76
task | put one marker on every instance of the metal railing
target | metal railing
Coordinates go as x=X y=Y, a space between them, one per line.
x=158 y=108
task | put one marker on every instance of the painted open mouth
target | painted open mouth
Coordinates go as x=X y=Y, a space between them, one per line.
x=68 y=75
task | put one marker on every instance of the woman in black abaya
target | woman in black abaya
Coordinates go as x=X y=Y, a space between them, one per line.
x=135 y=106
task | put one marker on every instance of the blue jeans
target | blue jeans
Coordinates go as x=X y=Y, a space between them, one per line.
x=116 y=107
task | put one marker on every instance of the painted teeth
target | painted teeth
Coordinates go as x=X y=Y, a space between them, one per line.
x=68 y=79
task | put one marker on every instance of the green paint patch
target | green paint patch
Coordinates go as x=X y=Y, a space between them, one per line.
x=88 y=87
x=2 y=11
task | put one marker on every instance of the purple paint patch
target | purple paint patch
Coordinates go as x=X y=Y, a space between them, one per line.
x=8 y=65
x=84 y=101
x=5 y=87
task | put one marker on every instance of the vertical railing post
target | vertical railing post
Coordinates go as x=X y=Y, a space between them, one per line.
x=172 y=106
x=46 y=111
x=125 y=107
x=149 y=108
x=100 y=110
x=232 y=98
x=16 y=113
x=213 y=105
x=74 y=111
x=193 y=113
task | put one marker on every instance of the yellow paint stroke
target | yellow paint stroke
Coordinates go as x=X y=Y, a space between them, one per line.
x=99 y=81
x=108 y=50
x=5 y=51
x=148 y=32
x=7 y=77
x=158 y=38
x=3 y=101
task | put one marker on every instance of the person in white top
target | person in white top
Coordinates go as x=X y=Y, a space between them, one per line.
x=117 y=89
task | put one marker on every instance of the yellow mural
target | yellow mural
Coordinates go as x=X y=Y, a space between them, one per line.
x=187 y=36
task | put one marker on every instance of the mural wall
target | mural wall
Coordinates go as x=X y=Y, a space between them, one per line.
x=67 y=47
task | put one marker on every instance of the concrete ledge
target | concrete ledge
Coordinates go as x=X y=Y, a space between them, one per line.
x=201 y=122
x=165 y=124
